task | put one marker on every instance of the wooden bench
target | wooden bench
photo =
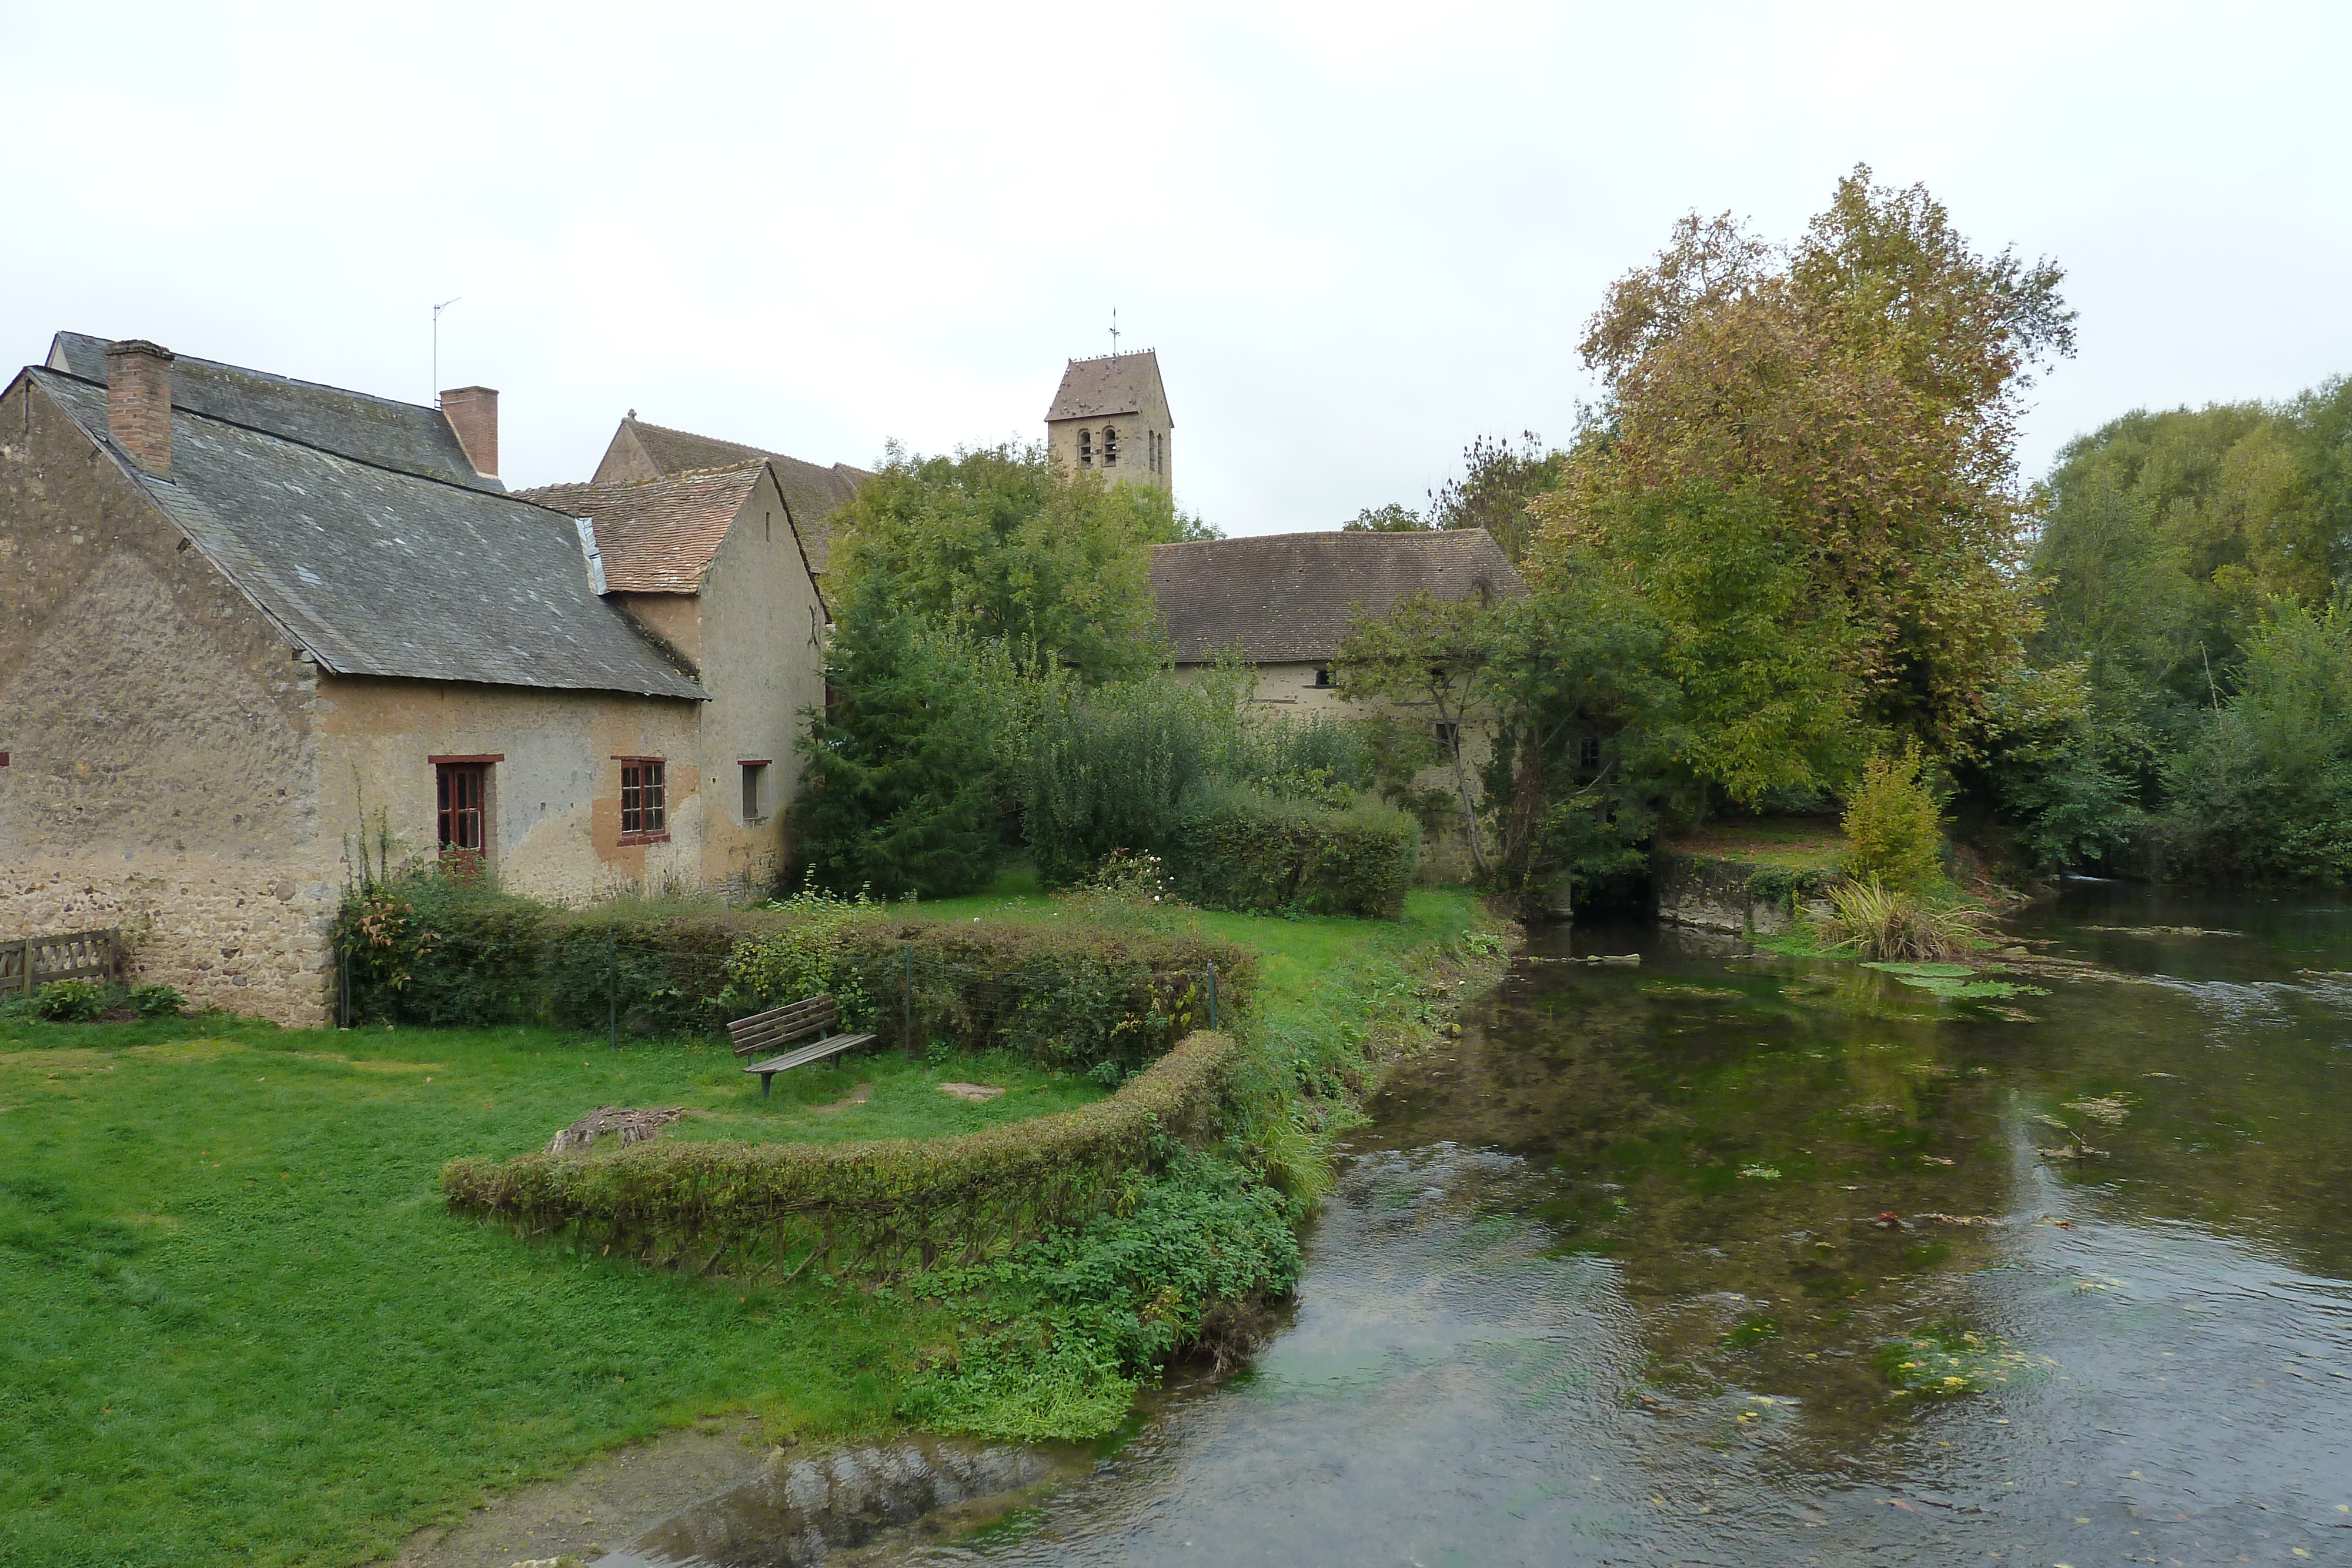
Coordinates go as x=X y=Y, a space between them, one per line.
x=780 y=1026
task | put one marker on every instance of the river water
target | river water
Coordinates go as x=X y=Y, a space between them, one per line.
x=1743 y=1261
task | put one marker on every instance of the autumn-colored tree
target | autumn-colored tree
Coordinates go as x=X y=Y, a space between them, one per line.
x=1863 y=382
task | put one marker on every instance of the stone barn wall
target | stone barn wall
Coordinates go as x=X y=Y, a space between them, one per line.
x=162 y=776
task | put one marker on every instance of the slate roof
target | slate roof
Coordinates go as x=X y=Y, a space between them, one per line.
x=1292 y=598
x=1113 y=384
x=379 y=572
x=406 y=436
x=657 y=536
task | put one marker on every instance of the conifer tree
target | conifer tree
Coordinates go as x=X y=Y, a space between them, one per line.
x=899 y=792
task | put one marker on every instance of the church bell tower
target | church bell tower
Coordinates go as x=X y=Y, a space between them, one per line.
x=1110 y=417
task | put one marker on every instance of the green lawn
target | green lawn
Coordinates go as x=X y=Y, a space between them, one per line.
x=1794 y=843
x=1302 y=961
x=244 y=1328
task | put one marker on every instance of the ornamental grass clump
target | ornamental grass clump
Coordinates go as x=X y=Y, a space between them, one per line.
x=1894 y=924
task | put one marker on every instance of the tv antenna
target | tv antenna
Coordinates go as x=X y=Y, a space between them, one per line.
x=437 y=345
x=1114 y=331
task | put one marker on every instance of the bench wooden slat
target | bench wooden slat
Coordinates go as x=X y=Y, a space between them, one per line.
x=780 y=1026
x=831 y=1046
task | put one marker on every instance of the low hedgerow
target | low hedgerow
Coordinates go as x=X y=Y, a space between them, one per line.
x=1072 y=996
x=435 y=949
x=1243 y=848
x=883 y=1207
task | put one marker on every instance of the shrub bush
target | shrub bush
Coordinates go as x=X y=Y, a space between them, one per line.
x=449 y=949
x=1110 y=767
x=69 y=1001
x=157 y=1001
x=1892 y=824
x=883 y=1207
x=1097 y=1306
x=1073 y=995
x=1243 y=848
x=1068 y=996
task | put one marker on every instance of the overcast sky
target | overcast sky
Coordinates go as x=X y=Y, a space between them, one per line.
x=1358 y=234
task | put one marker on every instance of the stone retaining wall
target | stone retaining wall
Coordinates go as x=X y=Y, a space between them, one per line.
x=250 y=937
x=1734 y=896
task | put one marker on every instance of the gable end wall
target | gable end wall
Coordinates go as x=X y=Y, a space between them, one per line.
x=163 y=777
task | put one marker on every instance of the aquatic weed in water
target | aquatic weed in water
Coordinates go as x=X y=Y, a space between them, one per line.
x=1946 y=1361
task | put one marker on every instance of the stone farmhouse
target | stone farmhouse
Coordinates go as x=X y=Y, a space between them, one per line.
x=812 y=493
x=247 y=620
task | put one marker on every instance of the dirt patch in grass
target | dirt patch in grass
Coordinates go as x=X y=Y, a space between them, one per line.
x=849 y=1101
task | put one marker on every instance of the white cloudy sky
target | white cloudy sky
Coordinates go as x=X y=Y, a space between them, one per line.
x=1358 y=234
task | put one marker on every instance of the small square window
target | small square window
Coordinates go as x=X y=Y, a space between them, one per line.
x=1449 y=736
x=755 y=778
x=644 y=799
x=1323 y=676
x=1588 y=753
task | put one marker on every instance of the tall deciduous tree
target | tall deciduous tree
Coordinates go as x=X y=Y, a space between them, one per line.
x=1499 y=481
x=1432 y=655
x=996 y=545
x=1864 y=383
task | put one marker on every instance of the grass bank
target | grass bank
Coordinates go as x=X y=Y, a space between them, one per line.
x=245 y=1327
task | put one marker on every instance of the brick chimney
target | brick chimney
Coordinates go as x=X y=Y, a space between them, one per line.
x=473 y=413
x=139 y=402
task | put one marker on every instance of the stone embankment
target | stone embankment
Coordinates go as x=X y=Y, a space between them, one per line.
x=1719 y=893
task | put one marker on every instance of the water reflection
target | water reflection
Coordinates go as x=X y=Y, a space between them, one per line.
x=1615 y=1279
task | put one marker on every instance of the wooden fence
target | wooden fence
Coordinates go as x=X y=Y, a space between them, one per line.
x=28 y=965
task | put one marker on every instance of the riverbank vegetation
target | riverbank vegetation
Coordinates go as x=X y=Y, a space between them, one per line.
x=1791 y=543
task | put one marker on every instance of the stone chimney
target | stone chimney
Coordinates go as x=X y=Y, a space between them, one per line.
x=473 y=413
x=139 y=402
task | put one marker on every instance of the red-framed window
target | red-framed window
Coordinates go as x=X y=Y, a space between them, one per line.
x=644 y=799
x=463 y=788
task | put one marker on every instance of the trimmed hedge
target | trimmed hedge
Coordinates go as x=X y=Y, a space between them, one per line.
x=885 y=1207
x=1066 y=995
x=1240 y=848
